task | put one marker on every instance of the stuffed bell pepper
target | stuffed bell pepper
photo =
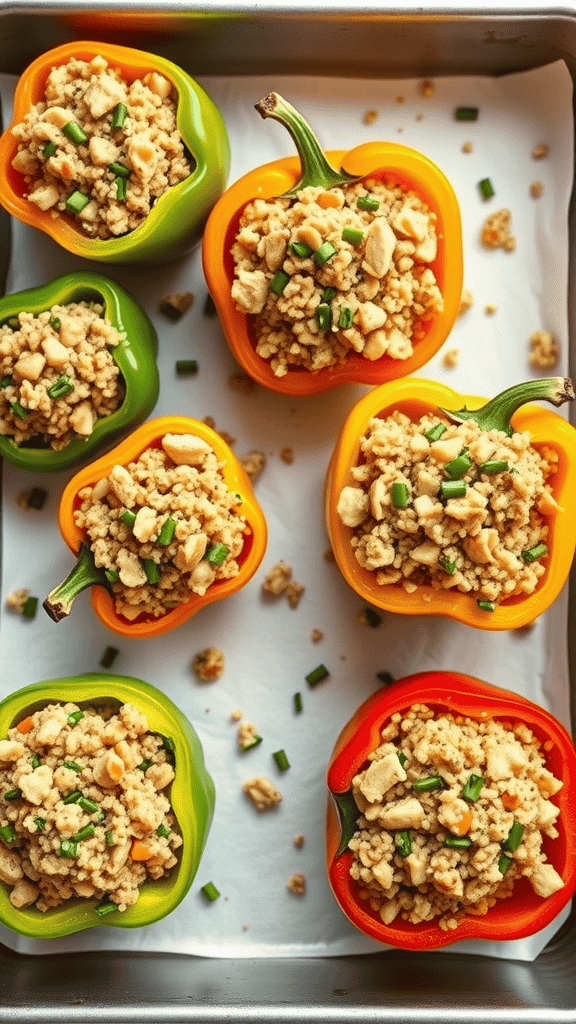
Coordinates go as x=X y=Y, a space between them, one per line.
x=442 y=504
x=451 y=814
x=77 y=370
x=324 y=276
x=115 y=153
x=164 y=524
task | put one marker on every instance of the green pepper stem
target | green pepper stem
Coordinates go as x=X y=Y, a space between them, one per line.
x=316 y=172
x=497 y=413
x=83 y=575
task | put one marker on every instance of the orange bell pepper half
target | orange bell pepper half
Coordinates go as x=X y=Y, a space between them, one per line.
x=523 y=913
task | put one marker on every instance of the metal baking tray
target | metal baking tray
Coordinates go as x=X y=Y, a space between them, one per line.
x=370 y=40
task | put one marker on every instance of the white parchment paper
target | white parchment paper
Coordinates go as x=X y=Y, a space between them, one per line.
x=267 y=645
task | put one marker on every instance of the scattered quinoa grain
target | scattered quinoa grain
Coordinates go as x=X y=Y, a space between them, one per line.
x=277 y=579
x=539 y=152
x=427 y=88
x=370 y=116
x=297 y=884
x=317 y=635
x=490 y=308
x=16 y=600
x=262 y=793
x=287 y=456
x=299 y=840
x=536 y=189
x=544 y=350
x=208 y=665
x=175 y=305
x=496 y=233
x=254 y=462
x=451 y=358
x=294 y=592
x=236 y=715
x=467 y=147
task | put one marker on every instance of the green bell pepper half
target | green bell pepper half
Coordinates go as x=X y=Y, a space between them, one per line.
x=192 y=797
x=135 y=355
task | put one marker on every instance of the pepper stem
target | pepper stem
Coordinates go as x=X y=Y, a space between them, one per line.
x=316 y=172
x=83 y=575
x=348 y=813
x=497 y=413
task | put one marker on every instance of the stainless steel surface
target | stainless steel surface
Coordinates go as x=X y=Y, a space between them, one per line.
x=216 y=38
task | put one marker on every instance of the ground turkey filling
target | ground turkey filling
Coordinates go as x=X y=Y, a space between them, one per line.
x=489 y=540
x=453 y=813
x=83 y=810
x=57 y=373
x=75 y=160
x=337 y=272
x=164 y=527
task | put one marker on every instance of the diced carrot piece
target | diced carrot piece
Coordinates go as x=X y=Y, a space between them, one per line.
x=510 y=800
x=115 y=768
x=545 y=787
x=327 y=200
x=139 y=850
x=26 y=725
x=463 y=826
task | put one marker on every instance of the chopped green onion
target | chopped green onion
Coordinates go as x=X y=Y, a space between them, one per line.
x=317 y=675
x=435 y=432
x=152 y=570
x=254 y=742
x=61 y=386
x=109 y=837
x=37 y=499
x=75 y=716
x=163 y=831
x=486 y=606
x=19 y=411
x=103 y=909
x=279 y=282
x=372 y=617
x=121 y=188
x=346 y=318
x=385 y=678
x=186 y=367
x=400 y=495
x=466 y=113
x=112 y=575
x=533 y=554
x=48 y=149
x=324 y=317
x=72 y=797
x=101 y=815
x=458 y=842
x=324 y=253
x=144 y=765
x=119 y=170
x=217 y=554
x=88 y=805
x=77 y=201
x=109 y=656
x=328 y=294
x=429 y=784
x=166 y=533
x=55 y=323
x=281 y=760
x=35 y=761
x=73 y=767
x=458 y=466
x=210 y=892
x=514 y=470
x=300 y=249
x=68 y=849
x=168 y=743
x=119 y=115
x=446 y=564
x=472 y=788
x=367 y=203
x=5 y=382
x=504 y=863
x=128 y=517
x=84 y=833
x=29 y=607
x=486 y=188
x=493 y=466
x=40 y=823
x=14 y=322
x=404 y=843
x=514 y=837
x=8 y=834
x=402 y=758
x=75 y=133
x=13 y=794
x=452 y=489
x=298 y=702
x=352 y=236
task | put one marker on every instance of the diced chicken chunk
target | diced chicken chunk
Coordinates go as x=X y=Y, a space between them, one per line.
x=104 y=94
x=81 y=418
x=37 y=785
x=24 y=162
x=445 y=451
x=426 y=553
x=11 y=750
x=407 y=813
x=545 y=880
x=57 y=355
x=123 y=485
x=380 y=776
x=108 y=769
x=30 y=366
x=480 y=548
x=370 y=317
x=411 y=222
x=383 y=873
x=417 y=868
x=44 y=197
x=130 y=568
x=144 y=526
x=504 y=761
x=353 y=506
x=191 y=552
x=379 y=246
x=51 y=724
x=102 y=151
x=143 y=155
x=10 y=867
x=186 y=449
x=158 y=84
x=24 y=893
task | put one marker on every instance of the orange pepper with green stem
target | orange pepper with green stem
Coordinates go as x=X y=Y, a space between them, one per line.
x=85 y=573
x=523 y=913
x=508 y=413
x=385 y=160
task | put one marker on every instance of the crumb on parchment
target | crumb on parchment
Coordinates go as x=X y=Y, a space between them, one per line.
x=466 y=301
x=296 y=884
x=536 y=189
x=370 y=116
x=262 y=793
x=490 y=308
x=317 y=635
x=287 y=456
x=247 y=733
x=253 y=463
x=467 y=147
x=208 y=664
x=451 y=358
x=496 y=231
x=278 y=581
x=299 y=840
x=427 y=88
x=236 y=715
x=539 y=152
x=544 y=350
